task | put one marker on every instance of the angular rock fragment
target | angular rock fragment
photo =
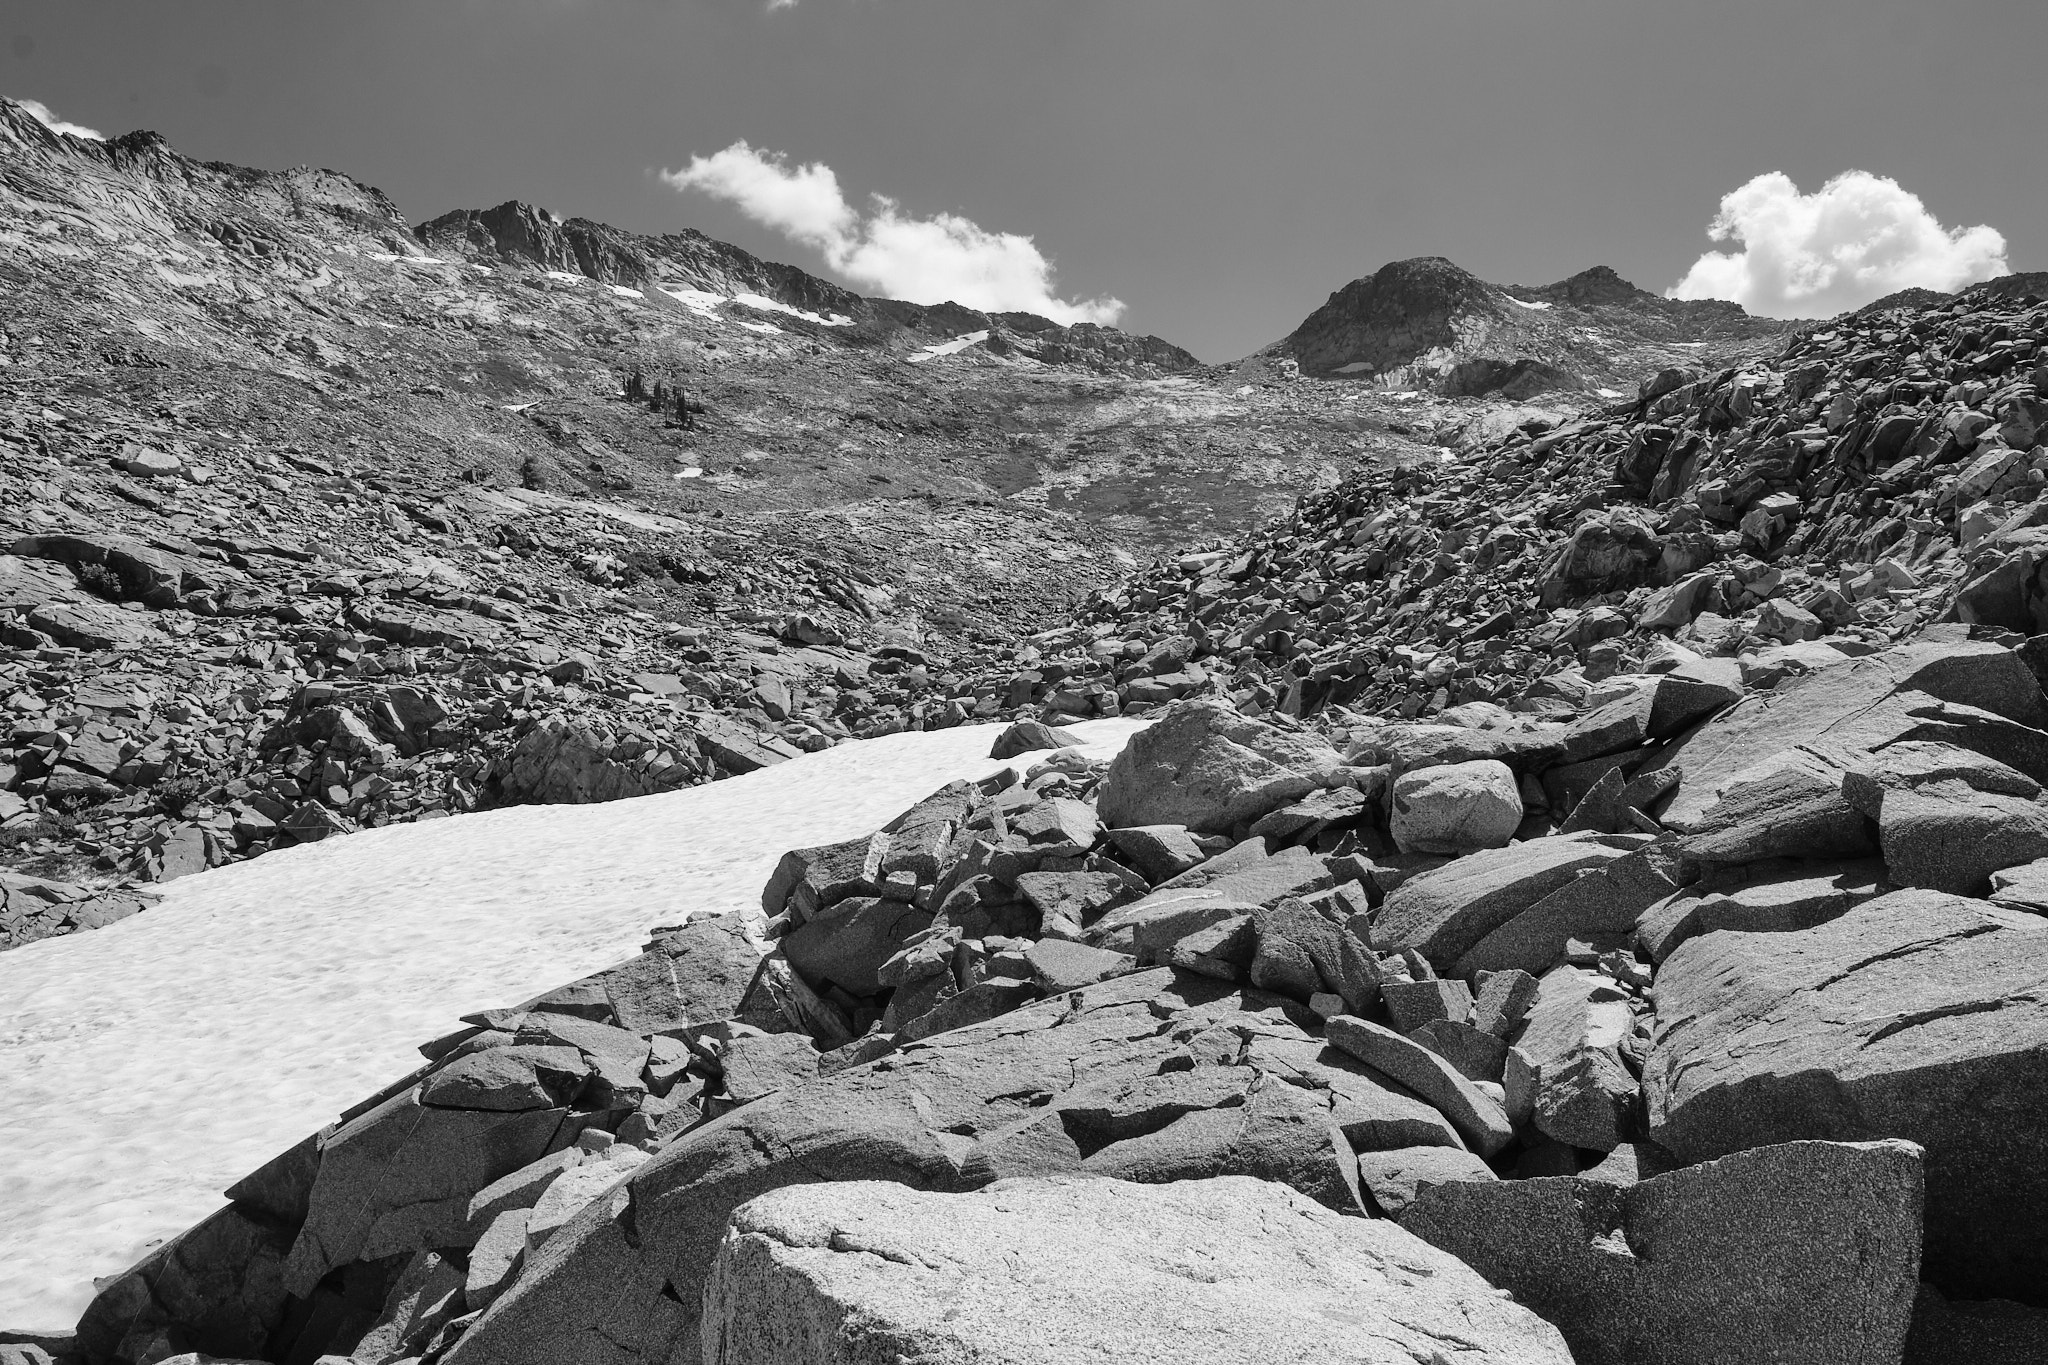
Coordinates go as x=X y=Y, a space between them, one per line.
x=1808 y=1251
x=1477 y=1117
x=1950 y=836
x=1584 y=1094
x=693 y=976
x=494 y=1260
x=1411 y=1004
x=1395 y=1178
x=1605 y=902
x=1446 y=912
x=400 y=1178
x=1029 y=736
x=1503 y=1001
x=1478 y=1055
x=759 y=1064
x=1160 y=852
x=1058 y=966
x=1204 y=766
x=515 y=1077
x=847 y=947
x=2022 y=888
x=1244 y=878
x=1270 y=1130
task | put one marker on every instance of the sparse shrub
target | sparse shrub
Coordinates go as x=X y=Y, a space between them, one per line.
x=100 y=581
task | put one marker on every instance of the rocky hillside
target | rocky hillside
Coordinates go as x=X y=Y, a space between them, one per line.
x=311 y=521
x=1884 y=472
x=1425 y=323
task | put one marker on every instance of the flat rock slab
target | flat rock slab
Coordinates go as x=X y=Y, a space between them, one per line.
x=1862 y=703
x=1916 y=1015
x=1065 y=1269
x=1803 y=1252
x=1393 y=1179
x=1244 y=877
x=1814 y=894
x=1444 y=913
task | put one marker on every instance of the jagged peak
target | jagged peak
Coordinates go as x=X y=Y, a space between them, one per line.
x=1600 y=284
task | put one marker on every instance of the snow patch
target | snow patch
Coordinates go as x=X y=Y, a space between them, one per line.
x=151 y=1064
x=696 y=300
x=766 y=304
x=565 y=277
x=625 y=293
x=706 y=304
x=390 y=256
x=759 y=326
x=953 y=347
x=1524 y=303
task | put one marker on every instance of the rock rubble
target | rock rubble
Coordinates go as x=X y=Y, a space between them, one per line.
x=1647 y=1081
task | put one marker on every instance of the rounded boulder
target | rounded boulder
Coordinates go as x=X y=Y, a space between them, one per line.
x=1456 y=808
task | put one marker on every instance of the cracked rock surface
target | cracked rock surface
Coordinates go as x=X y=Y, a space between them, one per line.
x=1061 y=1270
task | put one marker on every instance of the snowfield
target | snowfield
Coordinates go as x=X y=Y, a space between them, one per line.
x=944 y=348
x=150 y=1064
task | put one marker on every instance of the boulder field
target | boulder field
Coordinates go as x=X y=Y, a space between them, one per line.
x=1732 y=1045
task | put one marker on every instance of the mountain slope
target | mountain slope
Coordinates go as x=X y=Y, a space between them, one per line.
x=1882 y=475
x=1426 y=323
x=310 y=521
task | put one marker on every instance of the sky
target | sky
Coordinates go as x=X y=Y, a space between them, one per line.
x=1208 y=171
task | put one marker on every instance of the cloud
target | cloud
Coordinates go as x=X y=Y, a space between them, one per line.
x=1856 y=239
x=943 y=258
x=40 y=112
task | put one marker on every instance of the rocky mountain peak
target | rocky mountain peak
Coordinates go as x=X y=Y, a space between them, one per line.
x=1429 y=324
x=515 y=231
x=1601 y=284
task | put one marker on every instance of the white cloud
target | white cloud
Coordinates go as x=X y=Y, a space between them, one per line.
x=1856 y=239
x=943 y=258
x=40 y=112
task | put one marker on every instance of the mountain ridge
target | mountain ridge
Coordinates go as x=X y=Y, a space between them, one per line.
x=1427 y=322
